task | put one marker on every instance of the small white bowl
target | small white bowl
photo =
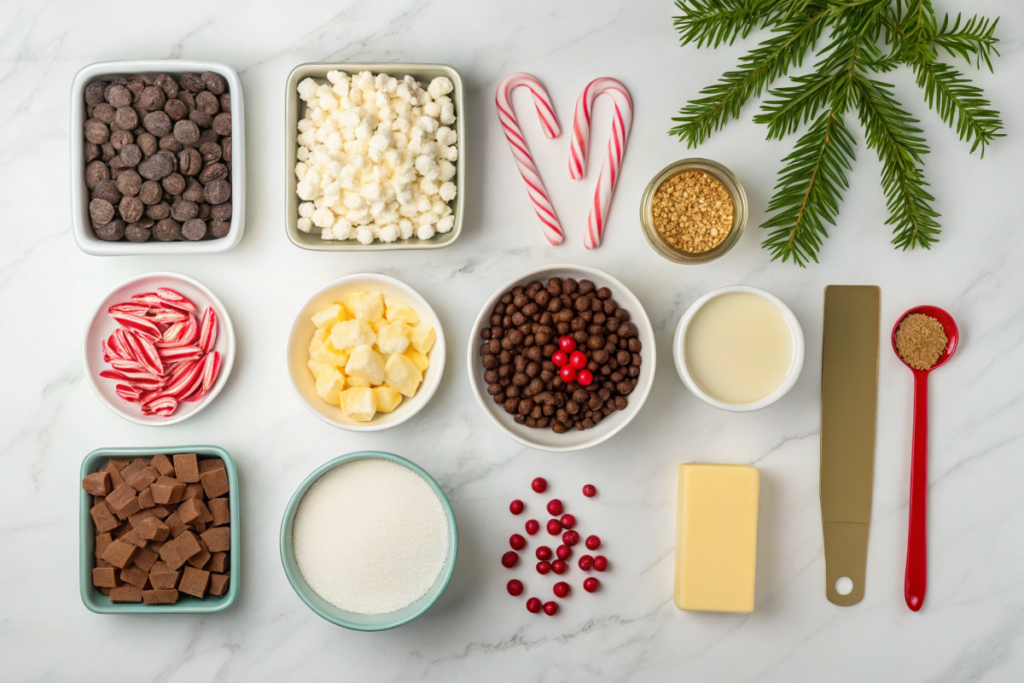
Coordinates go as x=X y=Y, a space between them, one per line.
x=80 y=222
x=302 y=331
x=102 y=326
x=572 y=440
x=795 y=366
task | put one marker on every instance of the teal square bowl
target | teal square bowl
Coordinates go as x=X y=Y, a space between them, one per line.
x=100 y=603
x=353 y=620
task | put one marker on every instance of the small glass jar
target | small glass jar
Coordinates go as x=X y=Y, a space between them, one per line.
x=732 y=186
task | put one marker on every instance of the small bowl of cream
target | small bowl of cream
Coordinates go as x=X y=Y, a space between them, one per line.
x=739 y=348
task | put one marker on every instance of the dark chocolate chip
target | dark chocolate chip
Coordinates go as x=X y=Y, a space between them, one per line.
x=94 y=92
x=152 y=99
x=107 y=189
x=118 y=96
x=192 y=82
x=131 y=155
x=96 y=171
x=112 y=231
x=214 y=82
x=217 y=191
x=158 y=123
x=221 y=124
x=131 y=209
x=96 y=132
x=129 y=183
x=101 y=211
x=137 y=233
x=194 y=229
x=167 y=230
x=186 y=132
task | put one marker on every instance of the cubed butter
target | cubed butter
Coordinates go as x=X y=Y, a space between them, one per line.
x=418 y=359
x=329 y=384
x=357 y=382
x=317 y=368
x=716 y=538
x=366 y=364
x=327 y=353
x=328 y=317
x=319 y=337
x=358 y=403
x=387 y=398
x=422 y=338
x=393 y=337
x=396 y=311
x=368 y=306
x=352 y=333
x=402 y=375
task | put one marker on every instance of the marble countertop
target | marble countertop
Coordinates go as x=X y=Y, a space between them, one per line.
x=972 y=624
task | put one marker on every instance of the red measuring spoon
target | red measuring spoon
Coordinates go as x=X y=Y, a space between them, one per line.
x=916 y=580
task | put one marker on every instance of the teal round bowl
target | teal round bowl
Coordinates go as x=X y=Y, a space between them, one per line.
x=353 y=620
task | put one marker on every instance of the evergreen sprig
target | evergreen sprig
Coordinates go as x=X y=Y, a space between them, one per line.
x=866 y=37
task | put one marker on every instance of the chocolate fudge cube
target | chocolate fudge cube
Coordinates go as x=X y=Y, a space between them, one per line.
x=121 y=531
x=137 y=519
x=152 y=529
x=145 y=558
x=97 y=484
x=175 y=553
x=162 y=577
x=209 y=464
x=114 y=468
x=174 y=523
x=186 y=467
x=215 y=483
x=135 y=538
x=143 y=479
x=194 y=509
x=194 y=582
x=160 y=597
x=146 y=499
x=161 y=511
x=103 y=518
x=200 y=559
x=126 y=594
x=163 y=465
x=124 y=501
x=119 y=553
x=167 y=491
x=194 y=491
x=106 y=591
x=133 y=468
x=104 y=577
x=136 y=576
x=218 y=538
x=218 y=563
x=220 y=508
x=102 y=541
x=219 y=583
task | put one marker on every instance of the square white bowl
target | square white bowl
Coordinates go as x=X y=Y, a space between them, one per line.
x=295 y=110
x=80 y=223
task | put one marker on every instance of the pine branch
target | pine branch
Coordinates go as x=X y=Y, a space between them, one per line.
x=960 y=104
x=891 y=132
x=976 y=39
x=797 y=104
x=714 y=22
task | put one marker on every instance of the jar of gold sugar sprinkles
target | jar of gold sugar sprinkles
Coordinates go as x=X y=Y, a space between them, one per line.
x=693 y=211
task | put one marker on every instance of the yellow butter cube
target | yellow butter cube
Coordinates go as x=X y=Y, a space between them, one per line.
x=316 y=367
x=358 y=404
x=422 y=338
x=368 y=306
x=377 y=324
x=327 y=353
x=418 y=359
x=319 y=337
x=402 y=375
x=387 y=399
x=329 y=384
x=328 y=317
x=399 y=312
x=357 y=382
x=393 y=337
x=365 y=363
x=352 y=333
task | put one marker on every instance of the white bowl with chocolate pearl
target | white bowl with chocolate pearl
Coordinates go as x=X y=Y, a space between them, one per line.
x=175 y=131
x=614 y=393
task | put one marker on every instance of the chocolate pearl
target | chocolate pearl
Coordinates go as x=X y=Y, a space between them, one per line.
x=494 y=388
x=96 y=132
x=118 y=96
x=518 y=318
x=599 y=319
x=566 y=314
x=495 y=346
x=101 y=211
x=513 y=391
x=491 y=376
x=624 y=387
x=582 y=304
x=497 y=332
x=605 y=370
x=112 y=231
x=499 y=398
x=595 y=342
x=627 y=330
x=536 y=386
x=563 y=328
x=558 y=427
x=621 y=402
x=490 y=361
x=515 y=337
x=533 y=369
x=595 y=330
x=512 y=405
x=152 y=98
x=219 y=229
x=635 y=359
x=520 y=300
x=94 y=92
x=633 y=372
x=520 y=364
x=107 y=189
x=555 y=305
x=504 y=371
x=532 y=287
x=95 y=172
x=623 y=343
x=634 y=345
x=214 y=82
x=525 y=406
x=194 y=230
x=600 y=356
x=593 y=365
x=151 y=192
x=604 y=293
x=609 y=306
x=496 y=319
x=104 y=112
x=586 y=287
x=120 y=138
x=622 y=314
x=604 y=394
x=612 y=324
x=506 y=298
x=534 y=353
x=622 y=357
x=182 y=211
x=126 y=118
x=221 y=212
x=616 y=377
x=580 y=336
x=587 y=316
x=536 y=412
x=579 y=325
x=167 y=230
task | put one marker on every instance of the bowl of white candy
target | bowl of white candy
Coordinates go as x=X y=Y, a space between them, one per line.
x=375 y=156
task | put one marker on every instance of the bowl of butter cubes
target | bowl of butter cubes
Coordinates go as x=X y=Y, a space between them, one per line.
x=375 y=156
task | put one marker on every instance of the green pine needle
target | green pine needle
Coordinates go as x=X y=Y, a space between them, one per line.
x=975 y=39
x=961 y=105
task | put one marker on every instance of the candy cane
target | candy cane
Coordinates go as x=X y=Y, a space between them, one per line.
x=521 y=151
x=621 y=123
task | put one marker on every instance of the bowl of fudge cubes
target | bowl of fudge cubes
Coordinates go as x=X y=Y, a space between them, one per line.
x=157 y=158
x=374 y=156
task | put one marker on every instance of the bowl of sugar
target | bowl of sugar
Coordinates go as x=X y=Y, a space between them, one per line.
x=369 y=541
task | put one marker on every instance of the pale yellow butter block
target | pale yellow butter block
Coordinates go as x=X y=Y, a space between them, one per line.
x=358 y=403
x=368 y=306
x=387 y=398
x=319 y=337
x=366 y=364
x=402 y=375
x=393 y=337
x=716 y=538
x=328 y=317
x=396 y=311
x=422 y=338
x=329 y=384
x=418 y=359
x=326 y=353
x=352 y=333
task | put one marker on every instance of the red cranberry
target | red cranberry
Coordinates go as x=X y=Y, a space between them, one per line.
x=571 y=537
x=510 y=559
x=591 y=584
x=543 y=567
x=543 y=553
x=515 y=587
x=540 y=485
x=586 y=562
x=554 y=507
x=533 y=605
x=516 y=506
x=559 y=359
x=554 y=527
x=551 y=608
x=593 y=542
x=589 y=491
x=561 y=589
x=559 y=566
x=584 y=378
x=568 y=374
x=563 y=552
x=517 y=542
x=567 y=344
x=568 y=521
x=578 y=360
x=532 y=526
x=600 y=563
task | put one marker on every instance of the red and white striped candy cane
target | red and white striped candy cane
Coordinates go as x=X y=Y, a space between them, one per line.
x=521 y=151
x=621 y=123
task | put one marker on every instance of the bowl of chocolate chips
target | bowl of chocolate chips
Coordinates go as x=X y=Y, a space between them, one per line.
x=562 y=357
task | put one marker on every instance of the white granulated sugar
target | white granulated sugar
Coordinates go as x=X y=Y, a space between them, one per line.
x=370 y=536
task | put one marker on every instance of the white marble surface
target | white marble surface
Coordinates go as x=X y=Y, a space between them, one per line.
x=972 y=625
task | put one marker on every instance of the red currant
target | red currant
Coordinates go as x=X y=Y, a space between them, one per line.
x=543 y=567
x=568 y=521
x=571 y=537
x=559 y=358
x=554 y=527
x=515 y=587
x=567 y=344
x=563 y=552
x=551 y=608
x=600 y=563
x=554 y=507
x=543 y=553
x=568 y=374
x=532 y=526
x=559 y=566
x=561 y=589
x=586 y=562
x=510 y=559
x=584 y=378
x=533 y=605
x=578 y=360
x=516 y=506
x=589 y=491
x=593 y=542
x=517 y=542
x=540 y=484
x=591 y=584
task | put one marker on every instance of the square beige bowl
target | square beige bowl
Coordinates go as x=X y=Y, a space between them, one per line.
x=294 y=111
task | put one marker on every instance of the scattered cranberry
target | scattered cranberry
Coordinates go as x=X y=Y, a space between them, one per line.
x=567 y=344
x=533 y=605
x=543 y=553
x=589 y=491
x=568 y=373
x=591 y=584
x=540 y=485
x=568 y=521
x=561 y=589
x=559 y=566
x=515 y=587
x=600 y=563
x=551 y=608
x=584 y=378
x=517 y=542
x=571 y=537
x=586 y=562
x=510 y=559
x=554 y=507
x=563 y=552
x=578 y=360
x=554 y=527
x=560 y=359
x=593 y=542
x=532 y=526
x=516 y=506
x=543 y=567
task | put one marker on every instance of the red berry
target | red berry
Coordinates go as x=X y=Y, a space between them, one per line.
x=561 y=589
x=559 y=358
x=533 y=605
x=551 y=608
x=543 y=553
x=586 y=562
x=516 y=506
x=515 y=587
x=593 y=542
x=563 y=552
x=517 y=542
x=568 y=521
x=567 y=344
x=554 y=527
x=578 y=360
x=571 y=537
x=543 y=567
x=589 y=491
x=600 y=563
x=568 y=374
x=559 y=566
x=584 y=378
x=591 y=584
x=554 y=507
x=540 y=484
x=532 y=526
x=510 y=559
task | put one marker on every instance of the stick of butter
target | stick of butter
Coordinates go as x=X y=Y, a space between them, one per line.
x=716 y=538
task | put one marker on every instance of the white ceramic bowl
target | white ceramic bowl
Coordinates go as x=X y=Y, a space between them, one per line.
x=302 y=331
x=572 y=440
x=795 y=366
x=80 y=223
x=102 y=326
